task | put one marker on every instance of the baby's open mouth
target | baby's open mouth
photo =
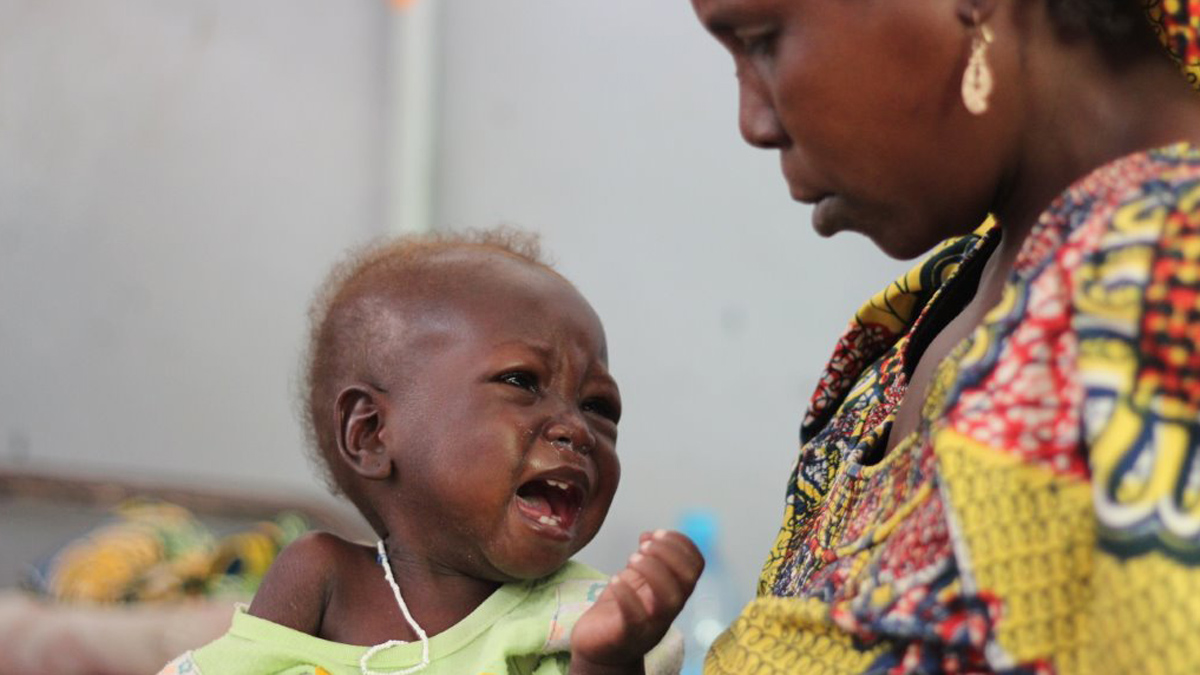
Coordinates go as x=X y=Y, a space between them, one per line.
x=550 y=502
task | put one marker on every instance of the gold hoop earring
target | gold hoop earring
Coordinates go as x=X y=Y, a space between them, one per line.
x=977 y=79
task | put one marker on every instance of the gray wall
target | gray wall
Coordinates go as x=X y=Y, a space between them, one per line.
x=176 y=176
x=611 y=128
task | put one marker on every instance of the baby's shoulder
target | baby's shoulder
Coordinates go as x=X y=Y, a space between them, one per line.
x=319 y=547
x=296 y=589
x=311 y=559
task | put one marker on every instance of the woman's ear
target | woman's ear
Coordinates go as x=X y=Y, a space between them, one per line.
x=974 y=12
x=360 y=421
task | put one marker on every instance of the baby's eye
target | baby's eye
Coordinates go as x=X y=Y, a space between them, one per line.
x=604 y=408
x=520 y=379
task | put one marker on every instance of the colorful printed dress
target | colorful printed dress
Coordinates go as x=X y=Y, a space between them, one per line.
x=1045 y=515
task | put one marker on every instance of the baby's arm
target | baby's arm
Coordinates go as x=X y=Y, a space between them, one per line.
x=633 y=614
x=295 y=590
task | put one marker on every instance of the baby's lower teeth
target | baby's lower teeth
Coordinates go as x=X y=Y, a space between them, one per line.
x=549 y=520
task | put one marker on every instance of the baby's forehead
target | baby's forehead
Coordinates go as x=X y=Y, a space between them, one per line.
x=460 y=277
x=458 y=285
x=445 y=269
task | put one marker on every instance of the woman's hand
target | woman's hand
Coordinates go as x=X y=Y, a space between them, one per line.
x=634 y=612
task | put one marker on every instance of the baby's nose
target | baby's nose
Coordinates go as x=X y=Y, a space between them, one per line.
x=571 y=433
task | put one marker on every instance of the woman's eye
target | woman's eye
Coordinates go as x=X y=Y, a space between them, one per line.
x=521 y=380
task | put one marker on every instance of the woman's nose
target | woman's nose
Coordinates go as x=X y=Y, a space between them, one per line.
x=757 y=118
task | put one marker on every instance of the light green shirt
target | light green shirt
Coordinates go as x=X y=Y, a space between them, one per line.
x=522 y=629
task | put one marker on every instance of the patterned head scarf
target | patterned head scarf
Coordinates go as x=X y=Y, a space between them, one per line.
x=1177 y=23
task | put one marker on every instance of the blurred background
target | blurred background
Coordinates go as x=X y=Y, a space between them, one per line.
x=177 y=176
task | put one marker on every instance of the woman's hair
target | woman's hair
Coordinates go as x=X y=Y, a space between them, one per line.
x=1109 y=21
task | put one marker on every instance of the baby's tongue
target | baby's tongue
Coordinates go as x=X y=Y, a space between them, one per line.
x=536 y=503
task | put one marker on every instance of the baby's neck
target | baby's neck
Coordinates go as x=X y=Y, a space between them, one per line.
x=438 y=598
x=359 y=607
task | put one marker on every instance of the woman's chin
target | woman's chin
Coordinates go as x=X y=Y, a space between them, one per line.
x=900 y=248
x=825 y=219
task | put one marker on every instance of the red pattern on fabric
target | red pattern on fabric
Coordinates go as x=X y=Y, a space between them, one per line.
x=1172 y=314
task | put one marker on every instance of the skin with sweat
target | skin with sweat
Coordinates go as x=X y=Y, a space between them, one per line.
x=487 y=449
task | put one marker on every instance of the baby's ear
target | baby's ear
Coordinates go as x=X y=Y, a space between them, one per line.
x=360 y=416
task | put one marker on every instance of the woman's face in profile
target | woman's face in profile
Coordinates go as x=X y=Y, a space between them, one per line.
x=861 y=100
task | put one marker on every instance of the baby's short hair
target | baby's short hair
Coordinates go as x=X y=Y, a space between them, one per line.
x=345 y=318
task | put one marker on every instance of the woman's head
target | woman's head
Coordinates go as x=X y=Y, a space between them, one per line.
x=862 y=100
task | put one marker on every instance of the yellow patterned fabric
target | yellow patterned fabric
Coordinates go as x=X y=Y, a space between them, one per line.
x=1177 y=23
x=1045 y=515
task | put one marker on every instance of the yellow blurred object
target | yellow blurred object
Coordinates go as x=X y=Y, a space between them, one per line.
x=108 y=564
x=158 y=551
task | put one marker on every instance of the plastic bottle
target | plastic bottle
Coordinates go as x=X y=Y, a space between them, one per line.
x=710 y=609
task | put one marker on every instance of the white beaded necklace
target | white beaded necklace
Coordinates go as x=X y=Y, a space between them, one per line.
x=362 y=663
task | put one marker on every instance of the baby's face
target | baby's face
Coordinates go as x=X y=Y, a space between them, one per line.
x=504 y=439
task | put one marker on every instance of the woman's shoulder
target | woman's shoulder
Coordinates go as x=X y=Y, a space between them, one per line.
x=1120 y=235
x=1127 y=228
x=1163 y=192
x=1133 y=195
x=1134 y=317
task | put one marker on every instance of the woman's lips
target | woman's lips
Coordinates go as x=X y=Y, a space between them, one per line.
x=801 y=188
x=806 y=195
